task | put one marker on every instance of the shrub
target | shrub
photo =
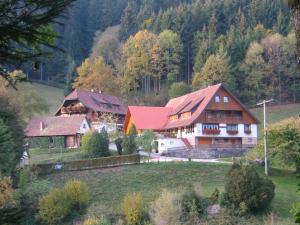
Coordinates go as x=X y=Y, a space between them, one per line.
x=103 y=143
x=118 y=143
x=6 y=192
x=132 y=208
x=246 y=191
x=179 y=89
x=86 y=145
x=166 y=209
x=129 y=144
x=214 y=198
x=53 y=207
x=76 y=193
x=33 y=191
x=95 y=221
x=95 y=144
x=193 y=206
x=59 y=203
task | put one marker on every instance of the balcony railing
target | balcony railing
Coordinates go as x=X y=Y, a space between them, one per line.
x=211 y=131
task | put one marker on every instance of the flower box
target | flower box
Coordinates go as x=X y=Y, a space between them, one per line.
x=232 y=132
x=212 y=131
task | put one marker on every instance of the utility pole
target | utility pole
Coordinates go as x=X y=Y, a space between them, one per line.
x=265 y=134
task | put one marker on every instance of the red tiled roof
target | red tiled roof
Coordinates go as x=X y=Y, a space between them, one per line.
x=203 y=97
x=54 y=126
x=158 y=117
x=145 y=117
x=99 y=102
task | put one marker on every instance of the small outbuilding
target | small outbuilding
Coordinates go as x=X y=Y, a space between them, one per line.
x=71 y=128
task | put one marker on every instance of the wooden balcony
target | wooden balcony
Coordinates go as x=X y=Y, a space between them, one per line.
x=226 y=120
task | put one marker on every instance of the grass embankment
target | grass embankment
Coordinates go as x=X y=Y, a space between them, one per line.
x=51 y=95
x=109 y=186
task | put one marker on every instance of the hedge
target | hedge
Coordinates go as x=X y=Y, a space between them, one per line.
x=86 y=164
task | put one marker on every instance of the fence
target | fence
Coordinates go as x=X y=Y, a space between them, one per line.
x=86 y=164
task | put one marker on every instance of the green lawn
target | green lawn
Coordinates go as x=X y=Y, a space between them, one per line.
x=41 y=156
x=109 y=186
x=52 y=96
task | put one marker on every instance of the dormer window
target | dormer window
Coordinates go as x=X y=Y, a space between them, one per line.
x=226 y=99
x=217 y=98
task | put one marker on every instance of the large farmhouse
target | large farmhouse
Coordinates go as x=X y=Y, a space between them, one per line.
x=209 y=117
x=94 y=105
x=79 y=112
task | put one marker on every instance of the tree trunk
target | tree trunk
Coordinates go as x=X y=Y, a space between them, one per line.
x=296 y=22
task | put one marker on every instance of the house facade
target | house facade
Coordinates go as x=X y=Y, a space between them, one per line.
x=100 y=109
x=210 y=117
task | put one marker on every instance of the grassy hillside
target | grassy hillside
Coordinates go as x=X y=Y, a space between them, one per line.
x=109 y=186
x=53 y=96
x=278 y=112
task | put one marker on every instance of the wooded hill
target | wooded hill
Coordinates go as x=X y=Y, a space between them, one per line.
x=248 y=45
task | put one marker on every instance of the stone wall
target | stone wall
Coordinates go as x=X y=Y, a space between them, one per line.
x=207 y=153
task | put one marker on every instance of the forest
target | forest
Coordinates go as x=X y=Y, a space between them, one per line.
x=155 y=49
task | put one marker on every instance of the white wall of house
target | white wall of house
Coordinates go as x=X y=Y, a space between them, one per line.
x=165 y=144
x=250 y=139
x=109 y=127
x=84 y=127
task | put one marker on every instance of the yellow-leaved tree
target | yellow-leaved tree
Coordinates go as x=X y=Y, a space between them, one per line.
x=94 y=74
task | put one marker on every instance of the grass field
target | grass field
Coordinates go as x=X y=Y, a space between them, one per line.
x=52 y=96
x=278 y=112
x=109 y=186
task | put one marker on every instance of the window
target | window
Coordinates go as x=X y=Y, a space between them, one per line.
x=247 y=128
x=207 y=126
x=84 y=126
x=217 y=98
x=232 y=127
x=226 y=99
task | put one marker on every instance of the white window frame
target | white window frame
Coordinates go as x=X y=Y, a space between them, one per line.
x=225 y=99
x=217 y=98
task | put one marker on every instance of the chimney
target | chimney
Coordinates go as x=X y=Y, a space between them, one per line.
x=42 y=126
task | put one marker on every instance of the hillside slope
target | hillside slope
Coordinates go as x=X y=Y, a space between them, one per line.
x=52 y=96
x=277 y=112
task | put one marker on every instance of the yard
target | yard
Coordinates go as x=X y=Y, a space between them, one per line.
x=109 y=186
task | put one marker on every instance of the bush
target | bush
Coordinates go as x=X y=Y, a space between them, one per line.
x=193 y=206
x=103 y=143
x=95 y=221
x=76 y=193
x=53 y=207
x=95 y=144
x=166 y=209
x=118 y=143
x=6 y=193
x=246 y=191
x=214 y=198
x=129 y=144
x=33 y=191
x=59 y=203
x=132 y=208
x=179 y=89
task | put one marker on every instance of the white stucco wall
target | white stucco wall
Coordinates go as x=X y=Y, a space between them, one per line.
x=84 y=127
x=167 y=143
x=246 y=138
